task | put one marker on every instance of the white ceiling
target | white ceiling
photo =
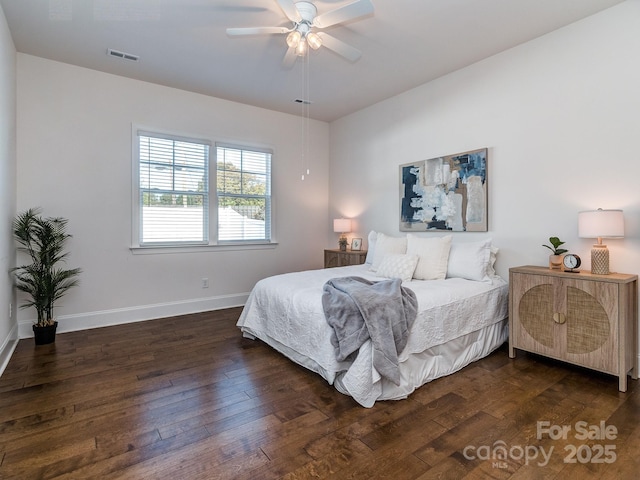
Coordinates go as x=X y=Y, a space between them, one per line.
x=183 y=44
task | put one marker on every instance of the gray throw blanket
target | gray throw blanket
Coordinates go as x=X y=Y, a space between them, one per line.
x=358 y=309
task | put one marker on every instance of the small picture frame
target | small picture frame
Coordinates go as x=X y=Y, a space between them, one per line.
x=356 y=244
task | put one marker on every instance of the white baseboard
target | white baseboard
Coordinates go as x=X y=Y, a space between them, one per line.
x=7 y=348
x=105 y=318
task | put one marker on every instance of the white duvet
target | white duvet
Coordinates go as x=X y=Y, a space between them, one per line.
x=285 y=311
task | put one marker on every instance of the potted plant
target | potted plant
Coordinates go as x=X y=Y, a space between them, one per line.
x=342 y=243
x=555 y=259
x=43 y=239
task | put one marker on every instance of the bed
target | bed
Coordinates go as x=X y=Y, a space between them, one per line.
x=461 y=314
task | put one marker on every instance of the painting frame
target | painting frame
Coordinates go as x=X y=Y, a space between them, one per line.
x=356 y=244
x=447 y=193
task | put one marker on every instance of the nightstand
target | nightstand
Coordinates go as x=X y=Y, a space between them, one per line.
x=342 y=258
x=580 y=318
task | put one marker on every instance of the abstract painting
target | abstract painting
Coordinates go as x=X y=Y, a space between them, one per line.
x=445 y=193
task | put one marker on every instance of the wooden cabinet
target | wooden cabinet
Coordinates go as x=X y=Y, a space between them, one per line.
x=580 y=318
x=342 y=258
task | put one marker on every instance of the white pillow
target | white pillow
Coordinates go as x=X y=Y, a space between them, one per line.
x=371 y=246
x=470 y=260
x=386 y=245
x=433 y=254
x=398 y=265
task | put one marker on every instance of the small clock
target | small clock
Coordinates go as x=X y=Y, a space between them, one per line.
x=571 y=261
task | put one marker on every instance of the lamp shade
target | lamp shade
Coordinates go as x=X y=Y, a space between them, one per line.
x=301 y=48
x=293 y=39
x=601 y=224
x=314 y=40
x=342 y=225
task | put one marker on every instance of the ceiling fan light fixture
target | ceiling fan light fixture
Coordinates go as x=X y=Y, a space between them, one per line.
x=293 y=39
x=314 y=40
x=303 y=32
x=301 y=49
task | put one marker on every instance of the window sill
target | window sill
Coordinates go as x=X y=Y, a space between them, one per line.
x=226 y=247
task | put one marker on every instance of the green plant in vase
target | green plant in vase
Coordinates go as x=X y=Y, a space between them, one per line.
x=555 y=259
x=342 y=243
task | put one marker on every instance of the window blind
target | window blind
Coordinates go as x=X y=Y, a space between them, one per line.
x=243 y=179
x=173 y=189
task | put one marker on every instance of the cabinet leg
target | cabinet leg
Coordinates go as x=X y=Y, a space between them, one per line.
x=622 y=383
x=512 y=352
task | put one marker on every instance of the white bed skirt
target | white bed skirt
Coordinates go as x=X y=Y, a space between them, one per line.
x=439 y=361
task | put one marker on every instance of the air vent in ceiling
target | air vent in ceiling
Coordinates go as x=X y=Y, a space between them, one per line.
x=304 y=102
x=123 y=55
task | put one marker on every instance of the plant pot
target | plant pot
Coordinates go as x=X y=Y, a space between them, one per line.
x=45 y=335
x=555 y=262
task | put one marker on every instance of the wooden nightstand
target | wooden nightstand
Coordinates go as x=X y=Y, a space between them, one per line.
x=580 y=318
x=342 y=258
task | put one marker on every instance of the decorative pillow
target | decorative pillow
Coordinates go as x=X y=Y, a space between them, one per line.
x=398 y=265
x=470 y=260
x=433 y=254
x=371 y=246
x=386 y=245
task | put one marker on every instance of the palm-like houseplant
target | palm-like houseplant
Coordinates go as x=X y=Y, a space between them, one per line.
x=43 y=239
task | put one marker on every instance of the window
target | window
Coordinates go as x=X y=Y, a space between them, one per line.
x=172 y=201
x=173 y=190
x=244 y=194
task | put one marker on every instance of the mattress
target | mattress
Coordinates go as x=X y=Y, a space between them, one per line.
x=458 y=322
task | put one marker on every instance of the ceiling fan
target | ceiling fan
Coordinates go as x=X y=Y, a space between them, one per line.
x=305 y=31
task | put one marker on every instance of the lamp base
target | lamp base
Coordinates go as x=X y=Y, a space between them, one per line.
x=600 y=260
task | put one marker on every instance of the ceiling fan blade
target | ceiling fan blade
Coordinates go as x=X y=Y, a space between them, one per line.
x=350 y=11
x=347 y=51
x=289 y=58
x=290 y=10
x=256 y=30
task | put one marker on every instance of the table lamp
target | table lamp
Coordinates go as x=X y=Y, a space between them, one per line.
x=600 y=224
x=342 y=226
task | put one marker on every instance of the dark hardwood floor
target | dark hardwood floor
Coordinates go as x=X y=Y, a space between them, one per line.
x=189 y=398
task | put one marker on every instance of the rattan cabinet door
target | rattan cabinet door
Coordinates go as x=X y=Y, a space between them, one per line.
x=591 y=321
x=533 y=327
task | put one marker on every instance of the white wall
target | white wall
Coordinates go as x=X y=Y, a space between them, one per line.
x=560 y=118
x=8 y=326
x=74 y=160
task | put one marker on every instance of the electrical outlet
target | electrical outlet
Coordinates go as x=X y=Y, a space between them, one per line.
x=205 y=283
